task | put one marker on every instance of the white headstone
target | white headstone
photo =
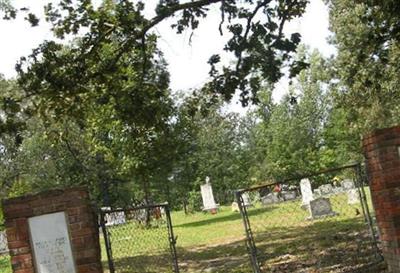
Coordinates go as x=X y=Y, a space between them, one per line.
x=326 y=189
x=353 y=197
x=235 y=207
x=246 y=199
x=208 y=197
x=51 y=243
x=114 y=218
x=306 y=191
x=348 y=184
x=337 y=190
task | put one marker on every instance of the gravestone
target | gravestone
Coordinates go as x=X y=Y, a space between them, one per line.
x=337 y=190
x=289 y=195
x=51 y=243
x=163 y=213
x=326 y=189
x=53 y=232
x=353 y=197
x=114 y=218
x=246 y=199
x=270 y=198
x=320 y=207
x=317 y=192
x=138 y=215
x=207 y=196
x=235 y=207
x=306 y=192
x=348 y=184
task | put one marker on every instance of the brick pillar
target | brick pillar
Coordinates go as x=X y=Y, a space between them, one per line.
x=382 y=152
x=81 y=223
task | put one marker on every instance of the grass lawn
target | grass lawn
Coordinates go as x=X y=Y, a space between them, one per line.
x=286 y=241
x=5 y=266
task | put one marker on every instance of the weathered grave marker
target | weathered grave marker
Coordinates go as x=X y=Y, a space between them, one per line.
x=306 y=192
x=320 y=207
x=353 y=197
x=326 y=189
x=235 y=207
x=348 y=184
x=270 y=198
x=337 y=190
x=289 y=195
x=246 y=199
x=208 y=197
x=317 y=192
x=114 y=218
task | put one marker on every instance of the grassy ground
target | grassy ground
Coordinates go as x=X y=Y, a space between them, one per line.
x=5 y=266
x=287 y=241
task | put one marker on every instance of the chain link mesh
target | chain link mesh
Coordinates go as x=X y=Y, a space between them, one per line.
x=332 y=231
x=139 y=240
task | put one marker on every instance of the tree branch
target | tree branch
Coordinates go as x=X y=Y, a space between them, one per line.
x=248 y=27
x=190 y=5
x=156 y=20
x=285 y=17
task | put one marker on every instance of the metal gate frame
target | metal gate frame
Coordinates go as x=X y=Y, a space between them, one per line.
x=361 y=181
x=171 y=237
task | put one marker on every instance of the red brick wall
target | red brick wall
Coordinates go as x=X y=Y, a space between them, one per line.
x=381 y=150
x=84 y=232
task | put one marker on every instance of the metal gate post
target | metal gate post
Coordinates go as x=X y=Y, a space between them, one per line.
x=107 y=243
x=359 y=186
x=172 y=239
x=251 y=246
x=368 y=214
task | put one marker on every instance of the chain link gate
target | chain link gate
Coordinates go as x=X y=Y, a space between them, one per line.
x=139 y=240
x=334 y=232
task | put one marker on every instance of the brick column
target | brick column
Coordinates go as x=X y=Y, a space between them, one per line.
x=81 y=222
x=382 y=152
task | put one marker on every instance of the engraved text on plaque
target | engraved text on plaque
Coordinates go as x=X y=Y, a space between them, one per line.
x=51 y=243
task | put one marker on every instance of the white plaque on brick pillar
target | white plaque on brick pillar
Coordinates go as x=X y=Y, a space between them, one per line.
x=51 y=243
x=306 y=192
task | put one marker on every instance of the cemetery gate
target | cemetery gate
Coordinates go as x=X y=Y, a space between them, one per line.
x=320 y=222
x=139 y=240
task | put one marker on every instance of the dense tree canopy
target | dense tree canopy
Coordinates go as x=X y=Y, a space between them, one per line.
x=367 y=36
x=96 y=108
x=257 y=41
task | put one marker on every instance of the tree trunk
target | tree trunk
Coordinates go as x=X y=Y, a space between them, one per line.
x=146 y=201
